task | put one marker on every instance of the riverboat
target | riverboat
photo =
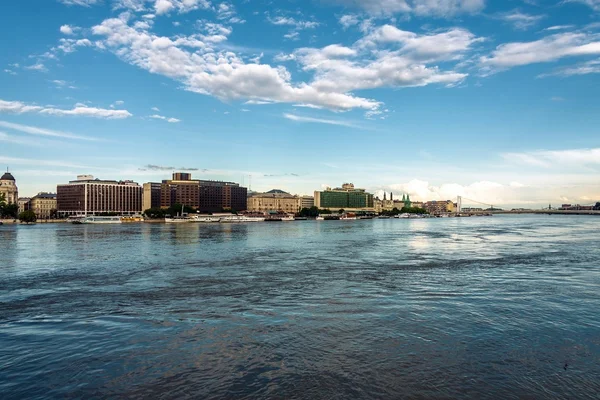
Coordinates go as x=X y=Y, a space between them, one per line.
x=99 y=219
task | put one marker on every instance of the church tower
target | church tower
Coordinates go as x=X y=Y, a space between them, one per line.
x=391 y=196
x=384 y=196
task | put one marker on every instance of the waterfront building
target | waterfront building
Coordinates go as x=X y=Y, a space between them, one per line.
x=89 y=196
x=307 y=202
x=439 y=207
x=23 y=203
x=8 y=187
x=347 y=197
x=389 y=205
x=275 y=200
x=151 y=196
x=43 y=205
x=203 y=195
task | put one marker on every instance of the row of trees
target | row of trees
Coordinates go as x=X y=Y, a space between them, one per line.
x=404 y=210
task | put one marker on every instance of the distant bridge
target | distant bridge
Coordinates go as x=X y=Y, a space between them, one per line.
x=490 y=209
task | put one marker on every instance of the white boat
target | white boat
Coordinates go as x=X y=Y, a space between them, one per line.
x=205 y=219
x=288 y=218
x=101 y=220
x=241 y=218
x=177 y=220
x=180 y=218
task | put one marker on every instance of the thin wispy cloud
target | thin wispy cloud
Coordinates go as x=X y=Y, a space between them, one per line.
x=153 y=167
x=82 y=110
x=556 y=158
x=298 y=118
x=34 y=130
x=162 y=117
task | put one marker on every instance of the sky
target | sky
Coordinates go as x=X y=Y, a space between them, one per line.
x=495 y=101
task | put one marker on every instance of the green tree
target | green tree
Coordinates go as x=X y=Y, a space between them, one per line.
x=9 y=210
x=312 y=212
x=155 y=213
x=27 y=217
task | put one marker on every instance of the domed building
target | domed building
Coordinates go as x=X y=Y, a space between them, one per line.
x=8 y=187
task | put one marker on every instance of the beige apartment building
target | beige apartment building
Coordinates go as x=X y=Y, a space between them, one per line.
x=43 y=205
x=275 y=200
x=439 y=207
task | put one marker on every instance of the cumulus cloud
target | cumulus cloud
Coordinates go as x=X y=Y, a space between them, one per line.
x=348 y=20
x=405 y=64
x=161 y=117
x=550 y=48
x=68 y=30
x=437 y=8
x=162 y=6
x=222 y=74
x=484 y=193
x=18 y=107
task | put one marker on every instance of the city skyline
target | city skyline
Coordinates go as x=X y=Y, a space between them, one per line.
x=493 y=102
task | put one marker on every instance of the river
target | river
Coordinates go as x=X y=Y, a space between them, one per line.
x=478 y=308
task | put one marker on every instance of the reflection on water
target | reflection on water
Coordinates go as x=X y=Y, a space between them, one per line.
x=502 y=307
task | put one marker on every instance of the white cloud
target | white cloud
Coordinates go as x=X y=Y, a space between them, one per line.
x=520 y=20
x=222 y=74
x=299 y=118
x=68 y=29
x=586 y=68
x=578 y=158
x=33 y=130
x=227 y=12
x=559 y=27
x=4 y=137
x=29 y=162
x=550 y=48
x=289 y=21
x=348 y=20
x=342 y=68
x=162 y=6
x=36 y=67
x=594 y=4
x=18 y=107
x=10 y=71
x=171 y=120
x=155 y=109
x=85 y=3
x=438 y=8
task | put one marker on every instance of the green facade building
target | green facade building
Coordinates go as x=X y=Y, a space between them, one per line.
x=345 y=197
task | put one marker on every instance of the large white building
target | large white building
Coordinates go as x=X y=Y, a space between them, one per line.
x=8 y=187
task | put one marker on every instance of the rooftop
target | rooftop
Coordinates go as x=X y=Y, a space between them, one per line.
x=7 y=177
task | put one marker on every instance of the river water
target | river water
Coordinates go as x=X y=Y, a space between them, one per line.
x=498 y=307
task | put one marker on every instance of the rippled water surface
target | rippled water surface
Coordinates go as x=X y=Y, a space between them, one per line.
x=501 y=307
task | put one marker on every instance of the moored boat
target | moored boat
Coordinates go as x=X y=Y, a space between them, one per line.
x=100 y=219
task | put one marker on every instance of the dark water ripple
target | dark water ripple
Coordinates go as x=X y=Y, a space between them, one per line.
x=444 y=308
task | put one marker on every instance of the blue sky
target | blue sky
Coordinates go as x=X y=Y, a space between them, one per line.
x=497 y=101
